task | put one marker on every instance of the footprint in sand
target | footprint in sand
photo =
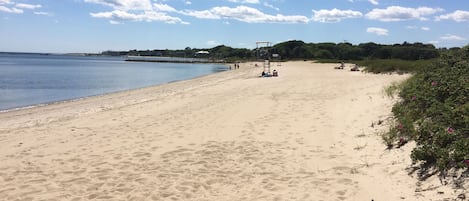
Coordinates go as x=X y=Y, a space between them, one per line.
x=241 y=166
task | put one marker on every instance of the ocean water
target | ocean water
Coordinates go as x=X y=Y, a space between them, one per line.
x=32 y=79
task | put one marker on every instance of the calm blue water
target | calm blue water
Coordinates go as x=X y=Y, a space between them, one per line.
x=31 y=79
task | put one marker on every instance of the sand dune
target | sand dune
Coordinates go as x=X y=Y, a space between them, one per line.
x=304 y=135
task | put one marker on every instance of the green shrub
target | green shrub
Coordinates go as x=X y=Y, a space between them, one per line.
x=434 y=111
x=393 y=89
x=394 y=65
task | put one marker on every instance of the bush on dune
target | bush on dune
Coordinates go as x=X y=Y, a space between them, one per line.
x=434 y=112
x=394 y=65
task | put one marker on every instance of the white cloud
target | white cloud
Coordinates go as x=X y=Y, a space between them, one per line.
x=271 y=6
x=10 y=10
x=117 y=14
x=434 y=42
x=5 y=2
x=148 y=16
x=374 y=2
x=213 y=43
x=10 y=7
x=203 y=14
x=4 y=8
x=334 y=15
x=452 y=37
x=245 y=1
x=114 y=22
x=124 y=4
x=416 y=27
x=397 y=13
x=136 y=10
x=377 y=31
x=163 y=8
x=245 y=14
x=42 y=13
x=425 y=28
x=27 y=6
x=458 y=16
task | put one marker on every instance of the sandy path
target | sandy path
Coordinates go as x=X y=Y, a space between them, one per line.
x=304 y=135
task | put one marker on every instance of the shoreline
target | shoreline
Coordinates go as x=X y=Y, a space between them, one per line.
x=26 y=107
x=107 y=101
x=304 y=135
x=175 y=61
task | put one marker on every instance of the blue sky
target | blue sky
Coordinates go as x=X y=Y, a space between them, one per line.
x=64 y=26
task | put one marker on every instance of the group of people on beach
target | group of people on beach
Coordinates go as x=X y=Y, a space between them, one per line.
x=235 y=66
x=274 y=74
x=342 y=66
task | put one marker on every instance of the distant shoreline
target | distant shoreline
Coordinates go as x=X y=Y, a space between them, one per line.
x=175 y=61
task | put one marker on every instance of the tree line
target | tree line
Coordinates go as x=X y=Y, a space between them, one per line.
x=348 y=51
x=296 y=49
x=220 y=52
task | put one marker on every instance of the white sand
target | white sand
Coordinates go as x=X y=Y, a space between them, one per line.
x=304 y=135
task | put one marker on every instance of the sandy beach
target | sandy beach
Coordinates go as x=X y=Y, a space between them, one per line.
x=305 y=135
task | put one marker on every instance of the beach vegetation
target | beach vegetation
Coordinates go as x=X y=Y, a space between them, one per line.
x=393 y=89
x=346 y=51
x=433 y=111
x=394 y=65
